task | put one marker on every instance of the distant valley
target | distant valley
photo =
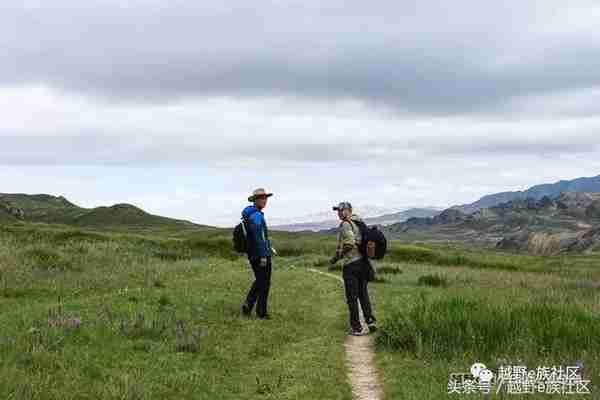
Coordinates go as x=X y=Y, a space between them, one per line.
x=385 y=219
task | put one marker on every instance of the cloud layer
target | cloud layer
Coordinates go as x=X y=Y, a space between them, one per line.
x=421 y=56
x=390 y=103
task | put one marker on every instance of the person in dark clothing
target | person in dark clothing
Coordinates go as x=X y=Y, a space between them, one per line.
x=259 y=291
x=259 y=254
x=355 y=269
x=355 y=284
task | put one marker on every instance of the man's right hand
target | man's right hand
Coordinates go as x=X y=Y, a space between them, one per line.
x=333 y=260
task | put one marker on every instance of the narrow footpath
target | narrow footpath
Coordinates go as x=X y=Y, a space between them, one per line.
x=360 y=361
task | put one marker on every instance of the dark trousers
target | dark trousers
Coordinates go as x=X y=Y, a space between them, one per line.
x=355 y=281
x=259 y=292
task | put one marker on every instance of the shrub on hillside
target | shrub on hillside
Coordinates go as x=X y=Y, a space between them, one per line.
x=47 y=259
x=217 y=247
x=433 y=280
x=423 y=255
x=386 y=269
x=78 y=236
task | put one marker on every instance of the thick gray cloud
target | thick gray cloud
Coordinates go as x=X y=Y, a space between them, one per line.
x=426 y=56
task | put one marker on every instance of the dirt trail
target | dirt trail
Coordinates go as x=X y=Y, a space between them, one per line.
x=360 y=361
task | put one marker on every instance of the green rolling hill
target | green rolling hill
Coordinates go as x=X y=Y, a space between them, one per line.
x=58 y=210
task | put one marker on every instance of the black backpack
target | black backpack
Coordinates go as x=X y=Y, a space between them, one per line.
x=371 y=235
x=240 y=236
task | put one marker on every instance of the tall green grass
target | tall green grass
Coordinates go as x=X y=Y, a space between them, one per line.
x=417 y=254
x=451 y=327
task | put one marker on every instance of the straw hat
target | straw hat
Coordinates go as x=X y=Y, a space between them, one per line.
x=259 y=192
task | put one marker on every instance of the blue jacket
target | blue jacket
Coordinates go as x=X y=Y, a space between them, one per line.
x=258 y=234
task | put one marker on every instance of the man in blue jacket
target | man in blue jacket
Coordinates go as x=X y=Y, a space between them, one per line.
x=259 y=254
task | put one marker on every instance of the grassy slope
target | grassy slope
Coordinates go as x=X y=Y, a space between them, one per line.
x=422 y=372
x=127 y=216
x=6 y=217
x=36 y=201
x=300 y=353
x=58 y=210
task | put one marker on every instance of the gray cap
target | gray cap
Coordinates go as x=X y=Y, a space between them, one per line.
x=344 y=205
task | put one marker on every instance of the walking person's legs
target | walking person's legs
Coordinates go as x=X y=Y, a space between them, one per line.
x=264 y=285
x=351 y=284
x=253 y=292
x=365 y=303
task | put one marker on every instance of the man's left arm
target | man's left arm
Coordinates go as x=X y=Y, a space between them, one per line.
x=345 y=242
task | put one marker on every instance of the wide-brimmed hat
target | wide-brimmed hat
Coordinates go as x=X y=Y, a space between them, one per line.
x=344 y=205
x=259 y=192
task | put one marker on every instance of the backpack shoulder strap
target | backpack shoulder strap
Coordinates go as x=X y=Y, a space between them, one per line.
x=360 y=225
x=244 y=221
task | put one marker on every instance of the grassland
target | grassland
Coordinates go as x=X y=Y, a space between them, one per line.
x=509 y=310
x=154 y=314
x=130 y=294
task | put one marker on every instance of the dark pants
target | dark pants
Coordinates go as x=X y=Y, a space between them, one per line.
x=355 y=281
x=259 y=292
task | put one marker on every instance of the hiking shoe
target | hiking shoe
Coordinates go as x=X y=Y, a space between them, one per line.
x=356 y=332
x=246 y=310
x=372 y=327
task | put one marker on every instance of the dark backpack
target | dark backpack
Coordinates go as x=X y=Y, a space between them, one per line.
x=240 y=236
x=373 y=244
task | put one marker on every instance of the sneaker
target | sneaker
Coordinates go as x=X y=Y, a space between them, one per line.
x=246 y=310
x=356 y=332
x=372 y=326
x=265 y=317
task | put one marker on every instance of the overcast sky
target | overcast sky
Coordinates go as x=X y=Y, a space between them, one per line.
x=182 y=107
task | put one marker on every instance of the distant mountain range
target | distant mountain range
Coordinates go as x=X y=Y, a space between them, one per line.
x=46 y=208
x=550 y=225
x=323 y=222
x=548 y=218
x=385 y=219
x=544 y=219
x=590 y=185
